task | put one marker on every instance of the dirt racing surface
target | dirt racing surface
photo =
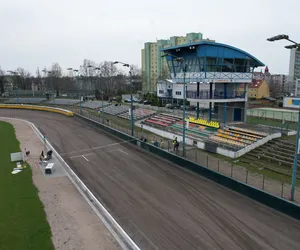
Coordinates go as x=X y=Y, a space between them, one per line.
x=160 y=205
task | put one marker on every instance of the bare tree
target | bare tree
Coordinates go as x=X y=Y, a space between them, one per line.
x=2 y=81
x=108 y=71
x=55 y=74
x=38 y=79
x=88 y=68
x=56 y=70
x=22 y=79
x=164 y=74
x=275 y=88
x=136 y=71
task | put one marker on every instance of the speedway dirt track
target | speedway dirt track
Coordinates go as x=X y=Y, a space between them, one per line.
x=160 y=205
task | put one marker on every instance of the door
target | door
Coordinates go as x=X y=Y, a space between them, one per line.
x=237 y=116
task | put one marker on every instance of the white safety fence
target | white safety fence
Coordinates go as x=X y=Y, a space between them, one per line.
x=111 y=224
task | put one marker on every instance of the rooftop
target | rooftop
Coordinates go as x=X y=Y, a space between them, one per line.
x=211 y=49
x=255 y=84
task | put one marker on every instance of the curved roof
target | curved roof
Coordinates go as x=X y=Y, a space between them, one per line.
x=258 y=63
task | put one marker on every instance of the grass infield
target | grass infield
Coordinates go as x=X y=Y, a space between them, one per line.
x=23 y=223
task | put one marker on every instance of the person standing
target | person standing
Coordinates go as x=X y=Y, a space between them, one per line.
x=175 y=142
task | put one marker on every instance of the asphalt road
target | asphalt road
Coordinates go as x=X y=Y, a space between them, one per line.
x=160 y=205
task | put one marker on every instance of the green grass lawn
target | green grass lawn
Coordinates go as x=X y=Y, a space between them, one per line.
x=23 y=223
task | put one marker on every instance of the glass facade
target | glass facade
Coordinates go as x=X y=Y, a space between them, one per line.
x=210 y=64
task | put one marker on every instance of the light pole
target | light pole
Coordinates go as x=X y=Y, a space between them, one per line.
x=98 y=76
x=88 y=74
x=50 y=79
x=76 y=75
x=184 y=69
x=102 y=108
x=297 y=150
x=131 y=99
x=16 y=87
x=102 y=111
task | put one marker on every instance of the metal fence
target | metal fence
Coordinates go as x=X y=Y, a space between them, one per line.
x=268 y=116
x=204 y=159
x=200 y=157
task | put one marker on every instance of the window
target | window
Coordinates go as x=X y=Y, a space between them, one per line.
x=161 y=91
x=178 y=93
x=211 y=64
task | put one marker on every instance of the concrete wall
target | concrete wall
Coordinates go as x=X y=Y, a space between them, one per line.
x=229 y=110
x=166 y=134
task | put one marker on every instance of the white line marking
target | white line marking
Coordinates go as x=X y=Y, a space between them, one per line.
x=88 y=154
x=76 y=156
x=123 y=151
x=99 y=147
x=120 y=150
x=85 y=158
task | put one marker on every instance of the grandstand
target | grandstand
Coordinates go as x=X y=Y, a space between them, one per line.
x=277 y=155
x=138 y=114
x=67 y=102
x=115 y=110
x=25 y=100
x=162 y=120
x=94 y=104
x=195 y=129
x=237 y=137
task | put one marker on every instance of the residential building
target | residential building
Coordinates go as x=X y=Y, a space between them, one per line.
x=280 y=81
x=256 y=90
x=154 y=65
x=266 y=75
x=294 y=71
x=258 y=75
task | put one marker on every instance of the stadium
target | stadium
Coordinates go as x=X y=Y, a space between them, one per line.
x=152 y=197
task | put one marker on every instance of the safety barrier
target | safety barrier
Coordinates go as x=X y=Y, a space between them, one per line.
x=40 y=108
x=261 y=196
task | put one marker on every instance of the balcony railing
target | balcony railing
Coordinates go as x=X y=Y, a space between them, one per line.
x=215 y=95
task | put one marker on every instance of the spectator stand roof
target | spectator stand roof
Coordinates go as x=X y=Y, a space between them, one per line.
x=210 y=62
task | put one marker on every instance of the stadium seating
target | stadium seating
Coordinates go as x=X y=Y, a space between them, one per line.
x=138 y=114
x=24 y=100
x=196 y=129
x=227 y=141
x=204 y=122
x=237 y=136
x=162 y=120
x=115 y=110
x=67 y=102
x=253 y=133
x=94 y=104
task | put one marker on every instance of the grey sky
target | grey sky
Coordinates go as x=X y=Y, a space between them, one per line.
x=35 y=33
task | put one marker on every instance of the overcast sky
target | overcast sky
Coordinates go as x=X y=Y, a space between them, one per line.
x=36 y=33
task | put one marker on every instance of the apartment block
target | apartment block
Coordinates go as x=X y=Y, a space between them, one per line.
x=154 y=66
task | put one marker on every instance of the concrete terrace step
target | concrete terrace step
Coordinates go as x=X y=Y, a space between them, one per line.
x=191 y=131
x=283 y=142
x=277 y=148
x=279 y=151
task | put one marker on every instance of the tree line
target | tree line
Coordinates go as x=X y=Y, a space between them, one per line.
x=89 y=77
